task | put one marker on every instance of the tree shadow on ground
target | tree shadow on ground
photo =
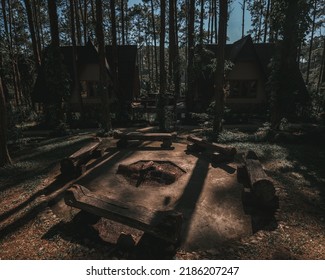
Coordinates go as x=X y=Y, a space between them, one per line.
x=222 y=165
x=304 y=179
x=36 y=164
x=80 y=230
x=188 y=201
x=104 y=165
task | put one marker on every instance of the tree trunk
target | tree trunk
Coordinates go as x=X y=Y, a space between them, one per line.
x=190 y=74
x=243 y=19
x=201 y=21
x=37 y=25
x=77 y=18
x=212 y=19
x=154 y=38
x=8 y=32
x=177 y=75
x=311 y=41
x=266 y=20
x=215 y=22
x=93 y=15
x=103 y=78
x=122 y=22
x=209 y=20
x=172 y=46
x=4 y=154
x=32 y=33
x=76 y=87
x=54 y=27
x=219 y=87
x=162 y=82
x=83 y=14
x=283 y=96
x=114 y=63
x=85 y=21
x=222 y=149
x=321 y=77
x=261 y=185
x=260 y=23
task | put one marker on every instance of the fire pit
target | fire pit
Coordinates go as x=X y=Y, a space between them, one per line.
x=151 y=172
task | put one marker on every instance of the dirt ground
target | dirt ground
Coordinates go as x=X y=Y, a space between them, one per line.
x=35 y=223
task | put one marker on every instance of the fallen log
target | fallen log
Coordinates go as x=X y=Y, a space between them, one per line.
x=242 y=176
x=261 y=185
x=75 y=163
x=166 y=138
x=222 y=149
x=163 y=224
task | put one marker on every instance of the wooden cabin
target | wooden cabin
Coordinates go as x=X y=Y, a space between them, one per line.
x=84 y=77
x=246 y=78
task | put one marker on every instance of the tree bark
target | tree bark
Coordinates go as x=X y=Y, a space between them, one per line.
x=266 y=20
x=32 y=33
x=8 y=32
x=37 y=25
x=311 y=42
x=219 y=87
x=162 y=81
x=283 y=96
x=85 y=21
x=154 y=38
x=177 y=74
x=212 y=19
x=4 y=154
x=122 y=22
x=54 y=27
x=222 y=149
x=215 y=22
x=76 y=87
x=261 y=185
x=114 y=63
x=172 y=46
x=321 y=77
x=201 y=21
x=77 y=19
x=243 y=19
x=190 y=58
x=103 y=78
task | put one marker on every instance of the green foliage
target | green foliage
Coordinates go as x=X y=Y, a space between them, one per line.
x=205 y=63
x=262 y=134
x=286 y=92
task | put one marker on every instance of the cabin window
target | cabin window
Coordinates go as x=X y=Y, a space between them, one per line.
x=242 y=88
x=89 y=89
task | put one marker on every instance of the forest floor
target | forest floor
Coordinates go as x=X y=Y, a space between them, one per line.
x=30 y=188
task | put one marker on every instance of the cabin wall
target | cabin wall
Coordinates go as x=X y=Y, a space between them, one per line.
x=89 y=72
x=248 y=71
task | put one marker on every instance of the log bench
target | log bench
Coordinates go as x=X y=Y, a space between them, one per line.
x=165 y=138
x=215 y=152
x=165 y=225
x=253 y=176
x=74 y=165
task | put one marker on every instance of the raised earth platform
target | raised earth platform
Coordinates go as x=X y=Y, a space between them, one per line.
x=208 y=195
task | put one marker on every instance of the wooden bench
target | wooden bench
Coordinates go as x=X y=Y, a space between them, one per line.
x=75 y=163
x=253 y=176
x=162 y=224
x=215 y=152
x=166 y=138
